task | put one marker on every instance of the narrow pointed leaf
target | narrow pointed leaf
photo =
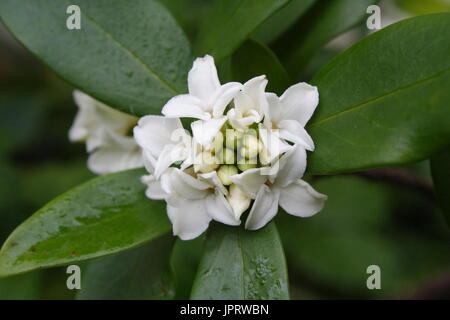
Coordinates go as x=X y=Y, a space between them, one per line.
x=143 y=273
x=133 y=57
x=240 y=264
x=231 y=22
x=106 y=215
x=384 y=101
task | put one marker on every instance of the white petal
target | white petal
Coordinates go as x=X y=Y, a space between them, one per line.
x=249 y=181
x=251 y=100
x=107 y=159
x=220 y=210
x=153 y=133
x=186 y=105
x=202 y=78
x=80 y=129
x=272 y=142
x=292 y=166
x=299 y=102
x=189 y=220
x=243 y=102
x=255 y=89
x=204 y=132
x=187 y=186
x=273 y=111
x=212 y=179
x=238 y=200
x=223 y=97
x=292 y=130
x=94 y=116
x=240 y=122
x=154 y=190
x=300 y=199
x=169 y=155
x=264 y=208
x=149 y=161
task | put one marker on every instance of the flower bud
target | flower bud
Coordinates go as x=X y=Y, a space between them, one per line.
x=232 y=138
x=217 y=144
x=225 y=172
x=251 y=146
x=246 y=166
x=227 y=156
x=205 y=162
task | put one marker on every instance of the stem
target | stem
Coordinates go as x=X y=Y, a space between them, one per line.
x=400 y=177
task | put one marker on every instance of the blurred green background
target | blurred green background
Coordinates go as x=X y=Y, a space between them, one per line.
x=365 y=222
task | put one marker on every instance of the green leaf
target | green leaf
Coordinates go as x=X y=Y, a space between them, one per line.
x=254 y=59
x=188 y=13
x=185 y=258
x=132 y=57
x=141 y=273
x=240 y=264
x=230 y=23
x=106 y=215
x=384 y=101
x=440 y=170
x=282 y=20
x=326 y=20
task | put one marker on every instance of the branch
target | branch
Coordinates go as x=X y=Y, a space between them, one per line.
x=400 y=177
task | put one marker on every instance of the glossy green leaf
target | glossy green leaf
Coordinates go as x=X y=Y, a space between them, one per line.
x=185 y=259
x=106 y=215
x=328 y=19
x=440 y=169
x=143 y=273
x=240 y=264
x=231 y=22
x=385 y=100
x=133 y=57
x=254 y=59
x=282 y=20
x=189 y=13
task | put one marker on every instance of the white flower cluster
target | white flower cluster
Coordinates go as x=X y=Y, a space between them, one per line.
x=246 y=149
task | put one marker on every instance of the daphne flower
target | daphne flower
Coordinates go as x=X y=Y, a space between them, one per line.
x=290 y=113
x=164 y=142
x=207 y=100
x=192 y=202
x=105 y=131
x=282 y=187
x=252 y=158
x=249 y=104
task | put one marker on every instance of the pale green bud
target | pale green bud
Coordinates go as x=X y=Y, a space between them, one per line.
x=232 y=138
x=246 y=166
x=217 y=143
x=251 y=146
x=225 y=172
x=227 y=156
x=205 y=162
